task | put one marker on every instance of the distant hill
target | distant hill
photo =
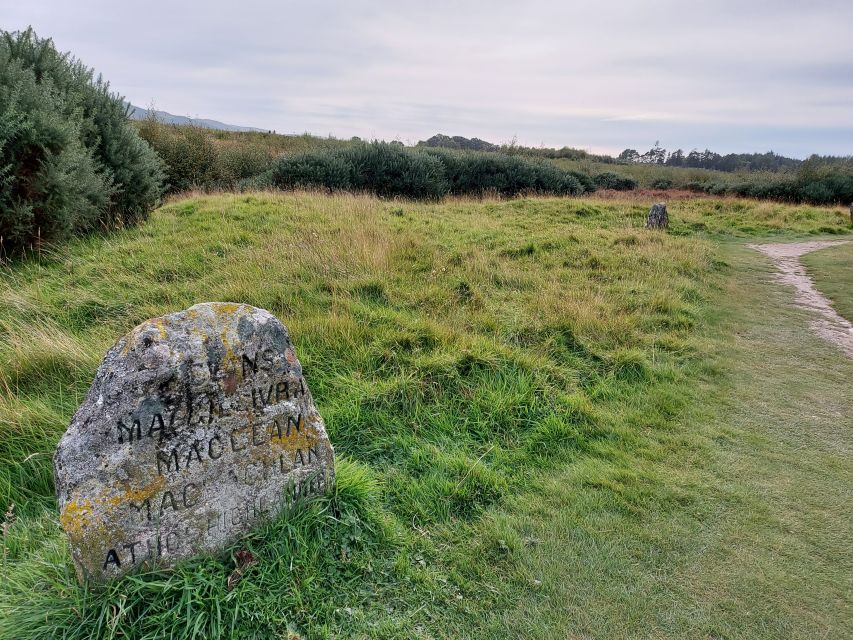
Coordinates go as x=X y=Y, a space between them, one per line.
x=475 y=144
x=138 y=113
x=458 y=142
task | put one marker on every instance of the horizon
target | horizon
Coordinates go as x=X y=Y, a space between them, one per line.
x=767 y=77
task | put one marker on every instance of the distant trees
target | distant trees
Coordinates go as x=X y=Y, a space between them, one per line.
x=708 y=159
x=69 y=160
x=461 y=143
x=655 y=155
x=629 y=155
x=458 y=142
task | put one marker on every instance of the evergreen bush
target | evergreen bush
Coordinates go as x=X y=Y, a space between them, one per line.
x=390 y=170
x=611 y=180
x=69 y=160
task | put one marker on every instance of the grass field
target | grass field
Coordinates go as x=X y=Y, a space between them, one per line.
x=832 y=272
x=545 y=419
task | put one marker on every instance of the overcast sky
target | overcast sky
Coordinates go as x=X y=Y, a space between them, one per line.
x=603 y=75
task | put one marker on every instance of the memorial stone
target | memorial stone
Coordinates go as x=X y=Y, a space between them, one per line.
x=198 y=426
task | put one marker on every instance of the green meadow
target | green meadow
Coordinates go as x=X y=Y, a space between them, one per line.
x=549 y=422
x=832 y=271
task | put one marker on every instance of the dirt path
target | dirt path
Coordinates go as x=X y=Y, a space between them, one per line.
x=827 y=323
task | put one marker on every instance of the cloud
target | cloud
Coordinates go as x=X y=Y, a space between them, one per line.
x=730 y=75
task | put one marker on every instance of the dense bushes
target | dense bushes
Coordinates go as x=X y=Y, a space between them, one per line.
x=833 y=187
x=387 y=170
x=610 y=180
x=390 y=170
x=69 y=160
x=198 y=158
x=193 y=160
x=818 y=181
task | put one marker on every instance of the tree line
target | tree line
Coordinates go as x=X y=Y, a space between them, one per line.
x=730 y=162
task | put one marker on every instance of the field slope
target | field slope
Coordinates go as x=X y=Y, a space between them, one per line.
x=550 y=422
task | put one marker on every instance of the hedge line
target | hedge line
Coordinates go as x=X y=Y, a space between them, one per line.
x=835 y=188
x=391 y=170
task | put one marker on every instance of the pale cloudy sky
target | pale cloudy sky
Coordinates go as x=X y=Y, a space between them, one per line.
x=730 y=75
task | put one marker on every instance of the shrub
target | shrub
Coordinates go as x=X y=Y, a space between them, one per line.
x=69 y=160
x=482 y=173
x=312 y=169
x=831 y=189
x=198 y=158
x=390 y=170
x=188 y=154
x=662 y=183
x=587 y=183
x=611 y=180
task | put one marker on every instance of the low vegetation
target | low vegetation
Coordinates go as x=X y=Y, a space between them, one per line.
x=198 y=158
x=814 y=181
x=764 y=176
x=462 y=354
x=616 y=181
x=205 y=159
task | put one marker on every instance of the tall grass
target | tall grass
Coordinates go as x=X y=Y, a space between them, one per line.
x=458 y=351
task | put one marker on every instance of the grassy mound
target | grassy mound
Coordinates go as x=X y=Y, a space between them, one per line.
x=458 y=352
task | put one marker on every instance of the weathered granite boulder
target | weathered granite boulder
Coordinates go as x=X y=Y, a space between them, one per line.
x=657 y=218
x=198 y=425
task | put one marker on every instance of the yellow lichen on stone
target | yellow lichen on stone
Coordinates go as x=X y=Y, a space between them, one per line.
x=230 y=361
x=137 y=495
x=296 y=441
x=75 y=517
x=221 y=308
x=161 y=327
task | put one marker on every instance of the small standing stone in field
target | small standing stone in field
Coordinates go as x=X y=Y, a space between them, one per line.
x=198 y=425
x=657 y=218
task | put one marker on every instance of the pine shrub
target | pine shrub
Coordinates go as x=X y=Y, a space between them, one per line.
x=611 y=180
x=391 y=170
x=69 y=160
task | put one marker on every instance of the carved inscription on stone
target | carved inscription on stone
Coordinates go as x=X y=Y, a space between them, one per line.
x=198 y=425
